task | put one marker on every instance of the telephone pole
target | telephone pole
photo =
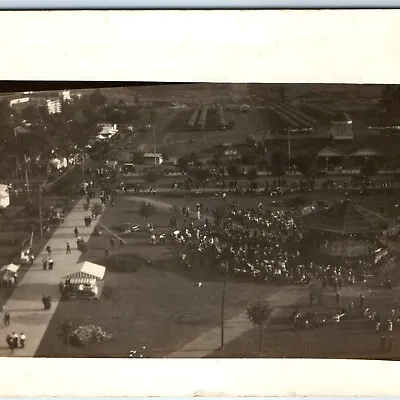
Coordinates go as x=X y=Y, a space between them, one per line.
x=40 y=210
x=26 y=174
x=155 y=146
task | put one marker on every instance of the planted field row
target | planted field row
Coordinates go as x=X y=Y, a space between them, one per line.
x=193 y=117
x=221 y=115
x=296 y=112
x=203 y=116
x=322 y=114
x=301 y=122
x=280 y=123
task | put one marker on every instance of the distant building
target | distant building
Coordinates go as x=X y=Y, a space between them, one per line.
x=66 y=95
x=19 y=101
x=4 y=196
x=341 y=127
x=107 y=131
x=53 y=106
x=231 y=154
x=151 y=158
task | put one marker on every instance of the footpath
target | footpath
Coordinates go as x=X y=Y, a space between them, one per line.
x=210 y=341
x=25 y=306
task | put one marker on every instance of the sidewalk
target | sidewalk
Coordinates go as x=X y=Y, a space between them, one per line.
x=210 y=341
x=25 y=306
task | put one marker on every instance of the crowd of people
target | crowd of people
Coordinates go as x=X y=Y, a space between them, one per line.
x=257 y=244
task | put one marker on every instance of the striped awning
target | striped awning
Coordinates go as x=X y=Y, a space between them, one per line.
x=82 y=281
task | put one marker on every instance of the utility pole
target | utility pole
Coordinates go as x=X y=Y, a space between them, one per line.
x=40 y=210
x=26 y=174
x=223 y=311
x=83 y=170
x=225 y=272
x=155 y=146
x=289 y=153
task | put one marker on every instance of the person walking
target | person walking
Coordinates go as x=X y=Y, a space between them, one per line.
x=382 y=342
x=7 y=318
x=391 y=344
x=48 y=248
x=44 y=263
x=390 y=326
x=51 y=263
x=15 y=340
x=22 y=340
x=68 y=251
x=76 y=232
x=112 y=243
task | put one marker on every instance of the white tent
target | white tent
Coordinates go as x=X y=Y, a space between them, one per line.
x=88 y=270
x=11 y=268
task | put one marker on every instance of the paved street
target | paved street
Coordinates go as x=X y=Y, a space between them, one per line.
x=25 y=306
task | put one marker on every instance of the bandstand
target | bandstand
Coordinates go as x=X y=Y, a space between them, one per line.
x=347 y=232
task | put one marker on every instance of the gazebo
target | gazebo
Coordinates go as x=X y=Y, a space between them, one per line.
x=347 y=219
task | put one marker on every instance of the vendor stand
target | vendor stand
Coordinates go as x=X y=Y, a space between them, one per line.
x=86 y=282
x=8 y=275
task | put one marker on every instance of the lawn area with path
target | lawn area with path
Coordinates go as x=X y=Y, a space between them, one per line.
x=157 y=305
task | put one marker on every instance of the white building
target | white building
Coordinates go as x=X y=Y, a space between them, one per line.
x=53 y=106
x=153 y=158
x=66 y=95
x=342 y=127
x=19 y=101
x=4 y=196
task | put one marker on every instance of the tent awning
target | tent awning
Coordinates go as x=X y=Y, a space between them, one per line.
x=88 y=270
x=11 y=268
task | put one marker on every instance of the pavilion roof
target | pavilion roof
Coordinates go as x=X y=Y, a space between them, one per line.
x=346 y=218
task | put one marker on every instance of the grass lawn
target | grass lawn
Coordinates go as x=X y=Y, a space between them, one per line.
x=354 y=337
x=158 y=306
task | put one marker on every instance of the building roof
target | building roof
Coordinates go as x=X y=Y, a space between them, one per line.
x=341 y=116
x=365 y=151
x=346 y=218
x=152 y=155
x=329 y=152
x=88 y=270
x=10 y=267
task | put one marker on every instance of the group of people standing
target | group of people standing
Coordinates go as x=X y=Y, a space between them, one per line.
x=13 y=340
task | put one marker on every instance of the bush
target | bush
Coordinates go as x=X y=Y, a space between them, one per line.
x=88 y=334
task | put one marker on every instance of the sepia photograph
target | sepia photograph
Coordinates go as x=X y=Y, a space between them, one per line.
x=201 y=221
x=213 y=210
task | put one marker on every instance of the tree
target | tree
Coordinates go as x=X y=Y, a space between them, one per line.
x=97 y=98
x=370 y=167
x=258 y=313
x=305 y=165
x=202 y=176
x=146 y=210
x=183 y=164
x=30 y=113
x=152 y=116
x=234 y=171
x=152 y=176
x=278 y=163
x=282 y=93
x=64 y=331
x=252 y=174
